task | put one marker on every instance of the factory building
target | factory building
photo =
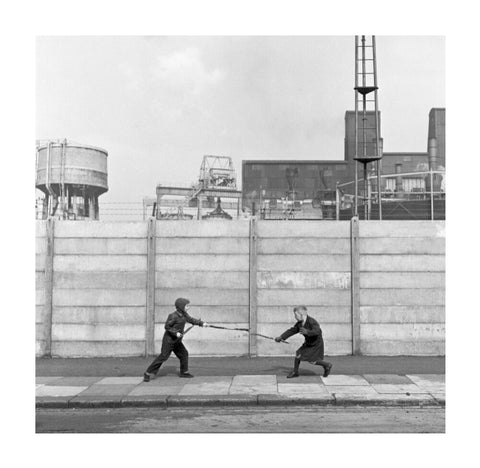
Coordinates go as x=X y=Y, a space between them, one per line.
x=310 y=186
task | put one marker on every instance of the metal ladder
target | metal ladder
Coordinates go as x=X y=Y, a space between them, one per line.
x=367 y=130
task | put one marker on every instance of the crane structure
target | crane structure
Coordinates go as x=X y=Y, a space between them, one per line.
x=217 y=179
x=367 y=122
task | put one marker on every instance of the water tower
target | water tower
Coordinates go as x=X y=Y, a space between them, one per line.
x=72 y=177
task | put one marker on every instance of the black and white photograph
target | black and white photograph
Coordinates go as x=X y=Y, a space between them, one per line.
x=227 y=233
x=280 y=199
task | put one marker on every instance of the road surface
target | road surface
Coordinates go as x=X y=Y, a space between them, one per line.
x=233 y=420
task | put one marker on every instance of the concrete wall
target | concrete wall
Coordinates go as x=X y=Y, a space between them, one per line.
x=98 y=290
x=307 y=263
x=402 y=287
x=208 y=263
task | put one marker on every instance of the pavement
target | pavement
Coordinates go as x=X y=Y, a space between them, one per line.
x=240 y=381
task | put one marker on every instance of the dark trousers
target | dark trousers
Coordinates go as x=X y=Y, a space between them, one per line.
x=169 y=345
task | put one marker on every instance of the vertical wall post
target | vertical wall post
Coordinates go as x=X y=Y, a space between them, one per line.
x=337 y=203
x=48 y=311
x=355 y=284
x=150 y=312
x=252 y=316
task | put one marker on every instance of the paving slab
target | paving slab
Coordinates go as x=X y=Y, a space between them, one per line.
x=76 y=381
x=213 y=388
x=351 y=390
x=209 y=379
x=300 y=379
x=306 y=388
x=147 y=389
x=252 y=389
x=120 y=380
x=393 y=379
x=166 y=381
x=344 y=380
x=46 y=380
x=428 y=378
x=440 y=397
x=108 y=390
x=212 y=400
x=254 y=379
x=385 y=399
x=389 y=388
x=60 y=391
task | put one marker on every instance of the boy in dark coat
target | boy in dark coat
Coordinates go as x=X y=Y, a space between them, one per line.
x=312 y=348
x=172 y=340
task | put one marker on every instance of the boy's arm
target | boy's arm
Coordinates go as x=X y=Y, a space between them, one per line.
x=193 y=321
x=290 y=332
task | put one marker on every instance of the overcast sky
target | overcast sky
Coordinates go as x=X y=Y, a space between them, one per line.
x=158 y=104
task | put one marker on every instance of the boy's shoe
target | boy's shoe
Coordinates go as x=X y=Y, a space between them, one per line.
x=186 y=375
x=292 y=375
x=146 y=377
x=327 y=370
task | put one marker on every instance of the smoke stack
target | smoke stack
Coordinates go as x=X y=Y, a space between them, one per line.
x=432 y=154
x=398 y=182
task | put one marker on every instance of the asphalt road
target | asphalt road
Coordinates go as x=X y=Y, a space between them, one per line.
x=238 y=420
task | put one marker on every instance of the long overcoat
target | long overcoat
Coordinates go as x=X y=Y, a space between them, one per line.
x=312 y=349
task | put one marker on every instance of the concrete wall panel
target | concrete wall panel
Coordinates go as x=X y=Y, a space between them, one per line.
x=100 y=246
x=100 y=262
x=202 y=245
x=39 y=280
x=99 y=297
x=209 y=348
x=97 y=332
x=40 y=228
x=331 y=263
x=100 y=229
x=403 y=348
x=431 y=229
x=99 y=315
x=306 y=246
x=402 y=280
x=303 y=229
x=211 y=228
x=332 y=331
x=97 y=348
x=39 y=297
x=402 y=297
x=203 y=296
x=40 y=245
x=40 y=262
x=402 y=246
x=402 y=314
x=201 y=262
x=202 y=279
x=402 y=331
x=307 y=297
x=303 y=280
x=100 y=280
x=402 y=263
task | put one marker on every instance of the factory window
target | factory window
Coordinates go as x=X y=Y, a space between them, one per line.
x=407 y=158
x=410 y=184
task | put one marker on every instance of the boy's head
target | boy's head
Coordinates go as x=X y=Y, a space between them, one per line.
x=300 y=313
x=182 y=304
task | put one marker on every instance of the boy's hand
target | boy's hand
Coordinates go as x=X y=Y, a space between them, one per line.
x=303 y=331
x=205 y=324
x=278 y=339
x=179 y=335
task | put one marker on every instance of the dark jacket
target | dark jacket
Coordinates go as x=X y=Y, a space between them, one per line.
x=176 y=323
x=312 y=348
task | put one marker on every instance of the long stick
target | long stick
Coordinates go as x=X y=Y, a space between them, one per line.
x=229 y=328
x=269 y=337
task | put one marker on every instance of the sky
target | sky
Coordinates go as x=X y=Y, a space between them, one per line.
x=158 y=104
